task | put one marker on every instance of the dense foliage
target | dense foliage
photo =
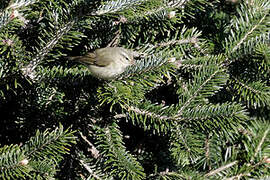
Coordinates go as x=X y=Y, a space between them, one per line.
x=195 y=105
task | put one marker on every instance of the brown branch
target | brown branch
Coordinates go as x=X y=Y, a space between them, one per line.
x=88 y=168
x=260 y=144
x=211 y=173
x=147 y=113
x=207 y=151
x=173 y=42
x=93 y=149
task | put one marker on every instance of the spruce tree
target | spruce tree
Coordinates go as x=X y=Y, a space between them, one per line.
x=194 y=105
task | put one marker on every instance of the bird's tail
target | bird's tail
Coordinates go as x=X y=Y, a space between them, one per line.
x=74 y=58
x=82 y=59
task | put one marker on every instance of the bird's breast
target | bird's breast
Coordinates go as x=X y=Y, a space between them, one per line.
x=108 y=72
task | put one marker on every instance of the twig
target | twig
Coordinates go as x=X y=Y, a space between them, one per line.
x=211 y=173
x=260 y=144
x=237 y=176
x=115 y=40
x=147 y=113
x=247 y=34
x=119 y=116
x=195 y=94
x=89 y=169
x=173 y=42
x=207 y=150
x=93 y=150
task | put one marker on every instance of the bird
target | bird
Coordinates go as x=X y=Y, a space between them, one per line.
x=107 y=63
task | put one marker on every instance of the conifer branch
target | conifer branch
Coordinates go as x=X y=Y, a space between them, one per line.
x=91 y=172
x=222 y=168
x=245 y=86
x=93 y=149
x=144 y=65
x=147 y=113
x=160 y=11
x=256 y=94
x=195 y=94
x=21 y=3
x=118 y=160
x=239 y=176
x=181 y=101
x=49 y=143
x=116 y=5
x=244 y=38
x=250 y=28
x=178 y=3
x=258 y=149
x=10 y=12
x=5 y=18
x=192 y=40
x=11 y=162
x=179 y=64
x=166 y=174
x=29 y=70
x=207 y=150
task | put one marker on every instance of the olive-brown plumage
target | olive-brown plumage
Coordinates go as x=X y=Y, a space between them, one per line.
x=107 y=63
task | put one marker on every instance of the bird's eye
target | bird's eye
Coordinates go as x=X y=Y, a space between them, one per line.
x=125 y=56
